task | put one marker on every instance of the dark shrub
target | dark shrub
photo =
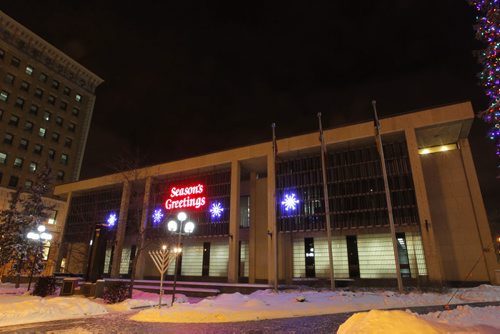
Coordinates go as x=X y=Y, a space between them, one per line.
x=115 y=292
x=45 y=286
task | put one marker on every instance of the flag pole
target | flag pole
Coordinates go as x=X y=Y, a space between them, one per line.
x=275 y=236
x=378 y=140
x=327 y=203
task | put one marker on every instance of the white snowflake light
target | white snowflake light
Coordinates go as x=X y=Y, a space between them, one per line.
x=290 y=202
x=157 y=216
x=216 y=210
x=112 y=219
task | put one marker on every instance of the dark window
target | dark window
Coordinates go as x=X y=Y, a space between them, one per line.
x=28 y=184
x=9 y=79
x=55 y=84
x=8 y=138
x=4 y=96
x=2 y=54
x=13 y=181
x=310 y=257
x=63 y=105
x=28 y=126
x=55 y=137
x=20 y=102
x=64 y=159
x=33 y=166
x=68 y=142
x=39 y=93
x=72 y=127
x=66 y=91
x=52 y=154
x=25 y=86
x=34 y=109
x=1 y=114
x=43 y=77
x=38 y=149
x=18 y=162
x=51 y=99
x=15 y=62
x=23 y=143
x=60 y=175
x=59 y=120
x=352 y=256
x=14 y=120
x=206 y=259
x=46 y=115
x=75 y=111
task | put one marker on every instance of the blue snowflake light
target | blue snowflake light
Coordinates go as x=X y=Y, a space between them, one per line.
x=216 y=210
x=290 y=202
x=112 y=219
x=157 y=216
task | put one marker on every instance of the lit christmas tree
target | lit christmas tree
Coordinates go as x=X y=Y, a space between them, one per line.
x=488 y=31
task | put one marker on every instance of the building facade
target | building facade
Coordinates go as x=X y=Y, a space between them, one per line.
x=259 y=219
x=46 y=105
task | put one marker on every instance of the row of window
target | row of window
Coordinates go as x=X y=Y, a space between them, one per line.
x=20 y=102
x=30 y=70
x=28 y=126
x=24 y=143
x=38 y=148
x=14 y=180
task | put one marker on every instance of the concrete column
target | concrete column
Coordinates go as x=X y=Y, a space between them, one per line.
x=252 y=237
x=120 y=231
x=141 y=255
x=272 y=243
x=62 y=219
x=234 y=223
x=481 y=218
x=431 y=250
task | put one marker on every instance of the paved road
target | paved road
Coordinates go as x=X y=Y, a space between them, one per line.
x=119 y=323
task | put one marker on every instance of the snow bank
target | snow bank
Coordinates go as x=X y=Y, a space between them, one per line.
x=27 y=309
x=476 y=320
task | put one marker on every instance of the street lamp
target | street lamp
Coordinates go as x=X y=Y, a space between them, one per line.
x=40 y=236
x=172 y=226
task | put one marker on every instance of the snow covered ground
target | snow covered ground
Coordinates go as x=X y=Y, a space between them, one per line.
x=16 y=308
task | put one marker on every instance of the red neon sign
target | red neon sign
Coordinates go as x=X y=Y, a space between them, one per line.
x=186 y=197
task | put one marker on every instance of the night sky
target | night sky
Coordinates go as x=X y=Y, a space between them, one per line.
x=183 y=78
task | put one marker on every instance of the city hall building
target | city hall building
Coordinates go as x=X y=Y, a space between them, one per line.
x=258 y=217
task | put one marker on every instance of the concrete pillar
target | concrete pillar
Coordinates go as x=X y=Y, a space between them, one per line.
x=234 y=224
x=431 y=250
x=62 y=219
x=481 y=218
x=120 y=231
x=141 y=252
x=252 y=237
x=272 y=244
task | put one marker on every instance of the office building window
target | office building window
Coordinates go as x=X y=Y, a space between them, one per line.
x=38 y=149
x=66 y=91
x=46 y=115
x=60 y=175
x=25 y=86
x=1 y=114
x=64 y=159
x=51 y=99
x=55 y=84
x=75 y=111
x=34 y=109
x=68 y=142
x=28 y=184
x=55 y=137
x=28 y=126
x=4 y=96
x=43 y=77
x=42 y=132
x=78 y=98
x=63 y=105
x=23 y=144
x=14 y=120
x=3 y=158
x=20 y=102
x=29 y=70
x=8 y=138
x=9 y=79
x=38 y=93
x=2 y=54
x=33 y=167
x=52 y=154
x=72 y=127
x=18 y=162
x=15 y=61
x=59 y=120
x=13 y=181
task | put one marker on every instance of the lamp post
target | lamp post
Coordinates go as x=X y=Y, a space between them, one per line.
x=172 y=226
x=40 y=236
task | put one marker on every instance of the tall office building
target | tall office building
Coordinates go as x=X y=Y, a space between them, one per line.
x=46 y=104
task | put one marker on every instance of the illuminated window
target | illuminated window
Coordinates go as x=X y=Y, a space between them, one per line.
x=29 y=70
x=4 y=96
x=64 y=159
x=42 y=132
x=18 y=162
x=436 y=149
x=78 y=98
x=33 y=166
x=28 y=184
x=46 y=249
x=46 y=116
x=3 y=158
